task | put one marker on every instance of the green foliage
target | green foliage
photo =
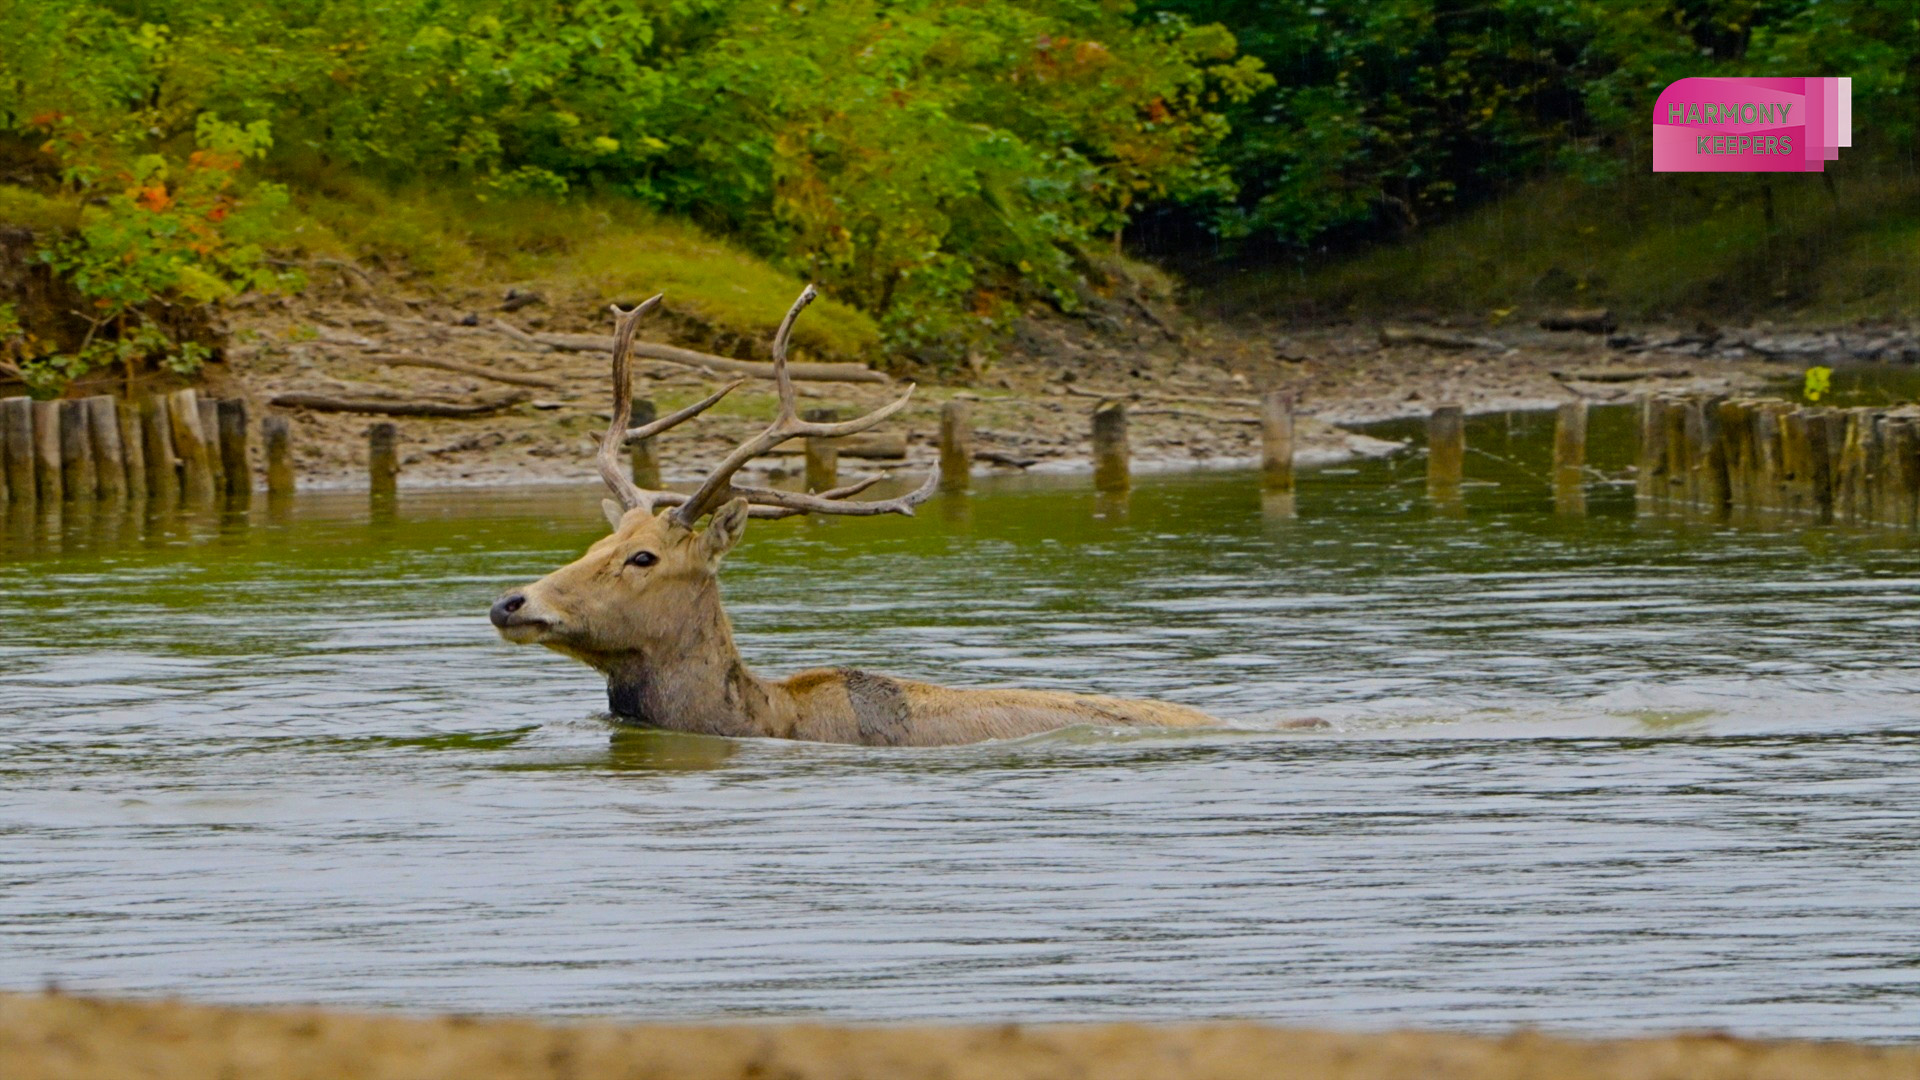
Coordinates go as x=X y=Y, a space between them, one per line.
x=1392 y=113
x=934 y=163
x=153 y=231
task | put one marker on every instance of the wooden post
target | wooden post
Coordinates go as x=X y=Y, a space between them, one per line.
x=1650 y=474
x=1820 y=464
x=190 y=446
x=1446 y=449
x=233 y=449
x=383 y=459
x=823 y=455
x=1734 y=433
x=278 y=434
x=956 y=446
x=1112 y=460
x=19 y=448
x=210 y=431
x=1276 y=442
x=1697 y=450
x=46 y=451
x=6 y=483
x=109 y=460
x=1674 y=420
x=78 y=476
x=1904 y=438
x=1769 y=446
x=646 y=465
x=163 y=463
x=1851 y=501
x=126 y=420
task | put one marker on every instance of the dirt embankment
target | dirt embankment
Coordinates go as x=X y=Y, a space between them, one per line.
x=55 y=1037
x=1193 y=386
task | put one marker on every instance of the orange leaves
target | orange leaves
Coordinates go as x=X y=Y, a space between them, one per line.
x=154 y=198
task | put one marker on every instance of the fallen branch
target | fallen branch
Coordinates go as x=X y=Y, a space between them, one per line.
x=1583 y=320
x=1191 y=415
x=1620 y=375
x=401 y=407
x=1159 y=399
x=1012 y=461
x=883 y=447
x=406 y=360
x=1436 y=339
x=718 y=364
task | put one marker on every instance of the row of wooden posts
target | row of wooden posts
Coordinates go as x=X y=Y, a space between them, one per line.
x=171 y=447
x=1856 y=465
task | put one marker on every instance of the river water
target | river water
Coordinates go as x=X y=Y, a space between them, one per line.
x=1599 y=774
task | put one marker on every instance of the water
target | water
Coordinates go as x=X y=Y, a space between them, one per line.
x=1598 y=774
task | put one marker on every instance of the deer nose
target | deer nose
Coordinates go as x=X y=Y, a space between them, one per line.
x=503 y=609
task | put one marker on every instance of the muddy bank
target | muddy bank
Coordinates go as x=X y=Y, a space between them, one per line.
x=64 y=1038
x=1193 y=386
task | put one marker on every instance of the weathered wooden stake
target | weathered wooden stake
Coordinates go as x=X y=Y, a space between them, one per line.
x=1112 y=460
x=1820 y=460
x=823 y=455
x=383 y=459
x=1850 y=498
x=646 y=464
x=278 y=434
x=46 y=451
x=1276 y=442
x=210 y=431
x=1904 y=435
x=1446 y=449
x=126 y=420
x=956 y=446
x=163 y=463
x=1674 y=420
x=1650 y=475
x=19 y=448
x=190 y=446
x=109 y=459
x=6 y=484
x=234 y=465
x=78 y=476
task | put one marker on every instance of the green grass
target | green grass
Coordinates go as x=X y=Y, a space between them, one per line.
x=587 y=251
x=1651 y=247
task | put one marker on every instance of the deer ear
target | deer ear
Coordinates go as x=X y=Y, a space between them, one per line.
x=613 y=512
x=729 y=524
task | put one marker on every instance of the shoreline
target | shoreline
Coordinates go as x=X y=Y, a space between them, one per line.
x=54 y=1036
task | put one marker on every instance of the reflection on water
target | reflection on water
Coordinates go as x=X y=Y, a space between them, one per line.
x=1595 y=772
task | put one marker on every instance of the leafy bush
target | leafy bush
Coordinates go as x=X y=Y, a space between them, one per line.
x=934 y=163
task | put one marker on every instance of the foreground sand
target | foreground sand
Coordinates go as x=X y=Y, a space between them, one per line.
x=44 y=1037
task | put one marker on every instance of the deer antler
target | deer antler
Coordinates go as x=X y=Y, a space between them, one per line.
x=618 y=433
x=719 y=487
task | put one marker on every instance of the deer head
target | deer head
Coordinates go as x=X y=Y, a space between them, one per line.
x=651 y=587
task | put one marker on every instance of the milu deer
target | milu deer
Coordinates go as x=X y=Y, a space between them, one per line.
x=642 y=606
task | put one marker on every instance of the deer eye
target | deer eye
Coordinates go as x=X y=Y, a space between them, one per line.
x=642 y=559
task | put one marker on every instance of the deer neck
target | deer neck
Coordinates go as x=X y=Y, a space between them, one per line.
x=690 y=678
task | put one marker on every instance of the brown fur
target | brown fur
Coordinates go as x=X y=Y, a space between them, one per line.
x=660 y=636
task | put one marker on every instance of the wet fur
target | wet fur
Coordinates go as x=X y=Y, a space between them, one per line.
x=662 y=639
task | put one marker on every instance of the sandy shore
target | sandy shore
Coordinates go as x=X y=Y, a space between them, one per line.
x=55 y=1037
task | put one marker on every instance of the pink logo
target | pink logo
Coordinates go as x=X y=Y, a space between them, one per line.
x=1751 y=125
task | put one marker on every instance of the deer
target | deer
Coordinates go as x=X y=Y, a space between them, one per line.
x=642 y=606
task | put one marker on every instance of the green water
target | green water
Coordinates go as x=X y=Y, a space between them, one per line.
x=1601 y=773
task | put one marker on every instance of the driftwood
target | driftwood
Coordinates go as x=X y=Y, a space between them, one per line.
x=1162 y=399
x=1584 y=320
x=407 y=360
x=1191 y=415
x=866 y=447
x=1435 y=339
x=401 y=407
x=1012 y=461
x=1620 y=375
x=719 y=364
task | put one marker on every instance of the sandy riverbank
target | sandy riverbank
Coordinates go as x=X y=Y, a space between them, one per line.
x=55 y=1037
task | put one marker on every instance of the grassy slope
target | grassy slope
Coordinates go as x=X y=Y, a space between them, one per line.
x=593 y=252
x=1651 y=247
